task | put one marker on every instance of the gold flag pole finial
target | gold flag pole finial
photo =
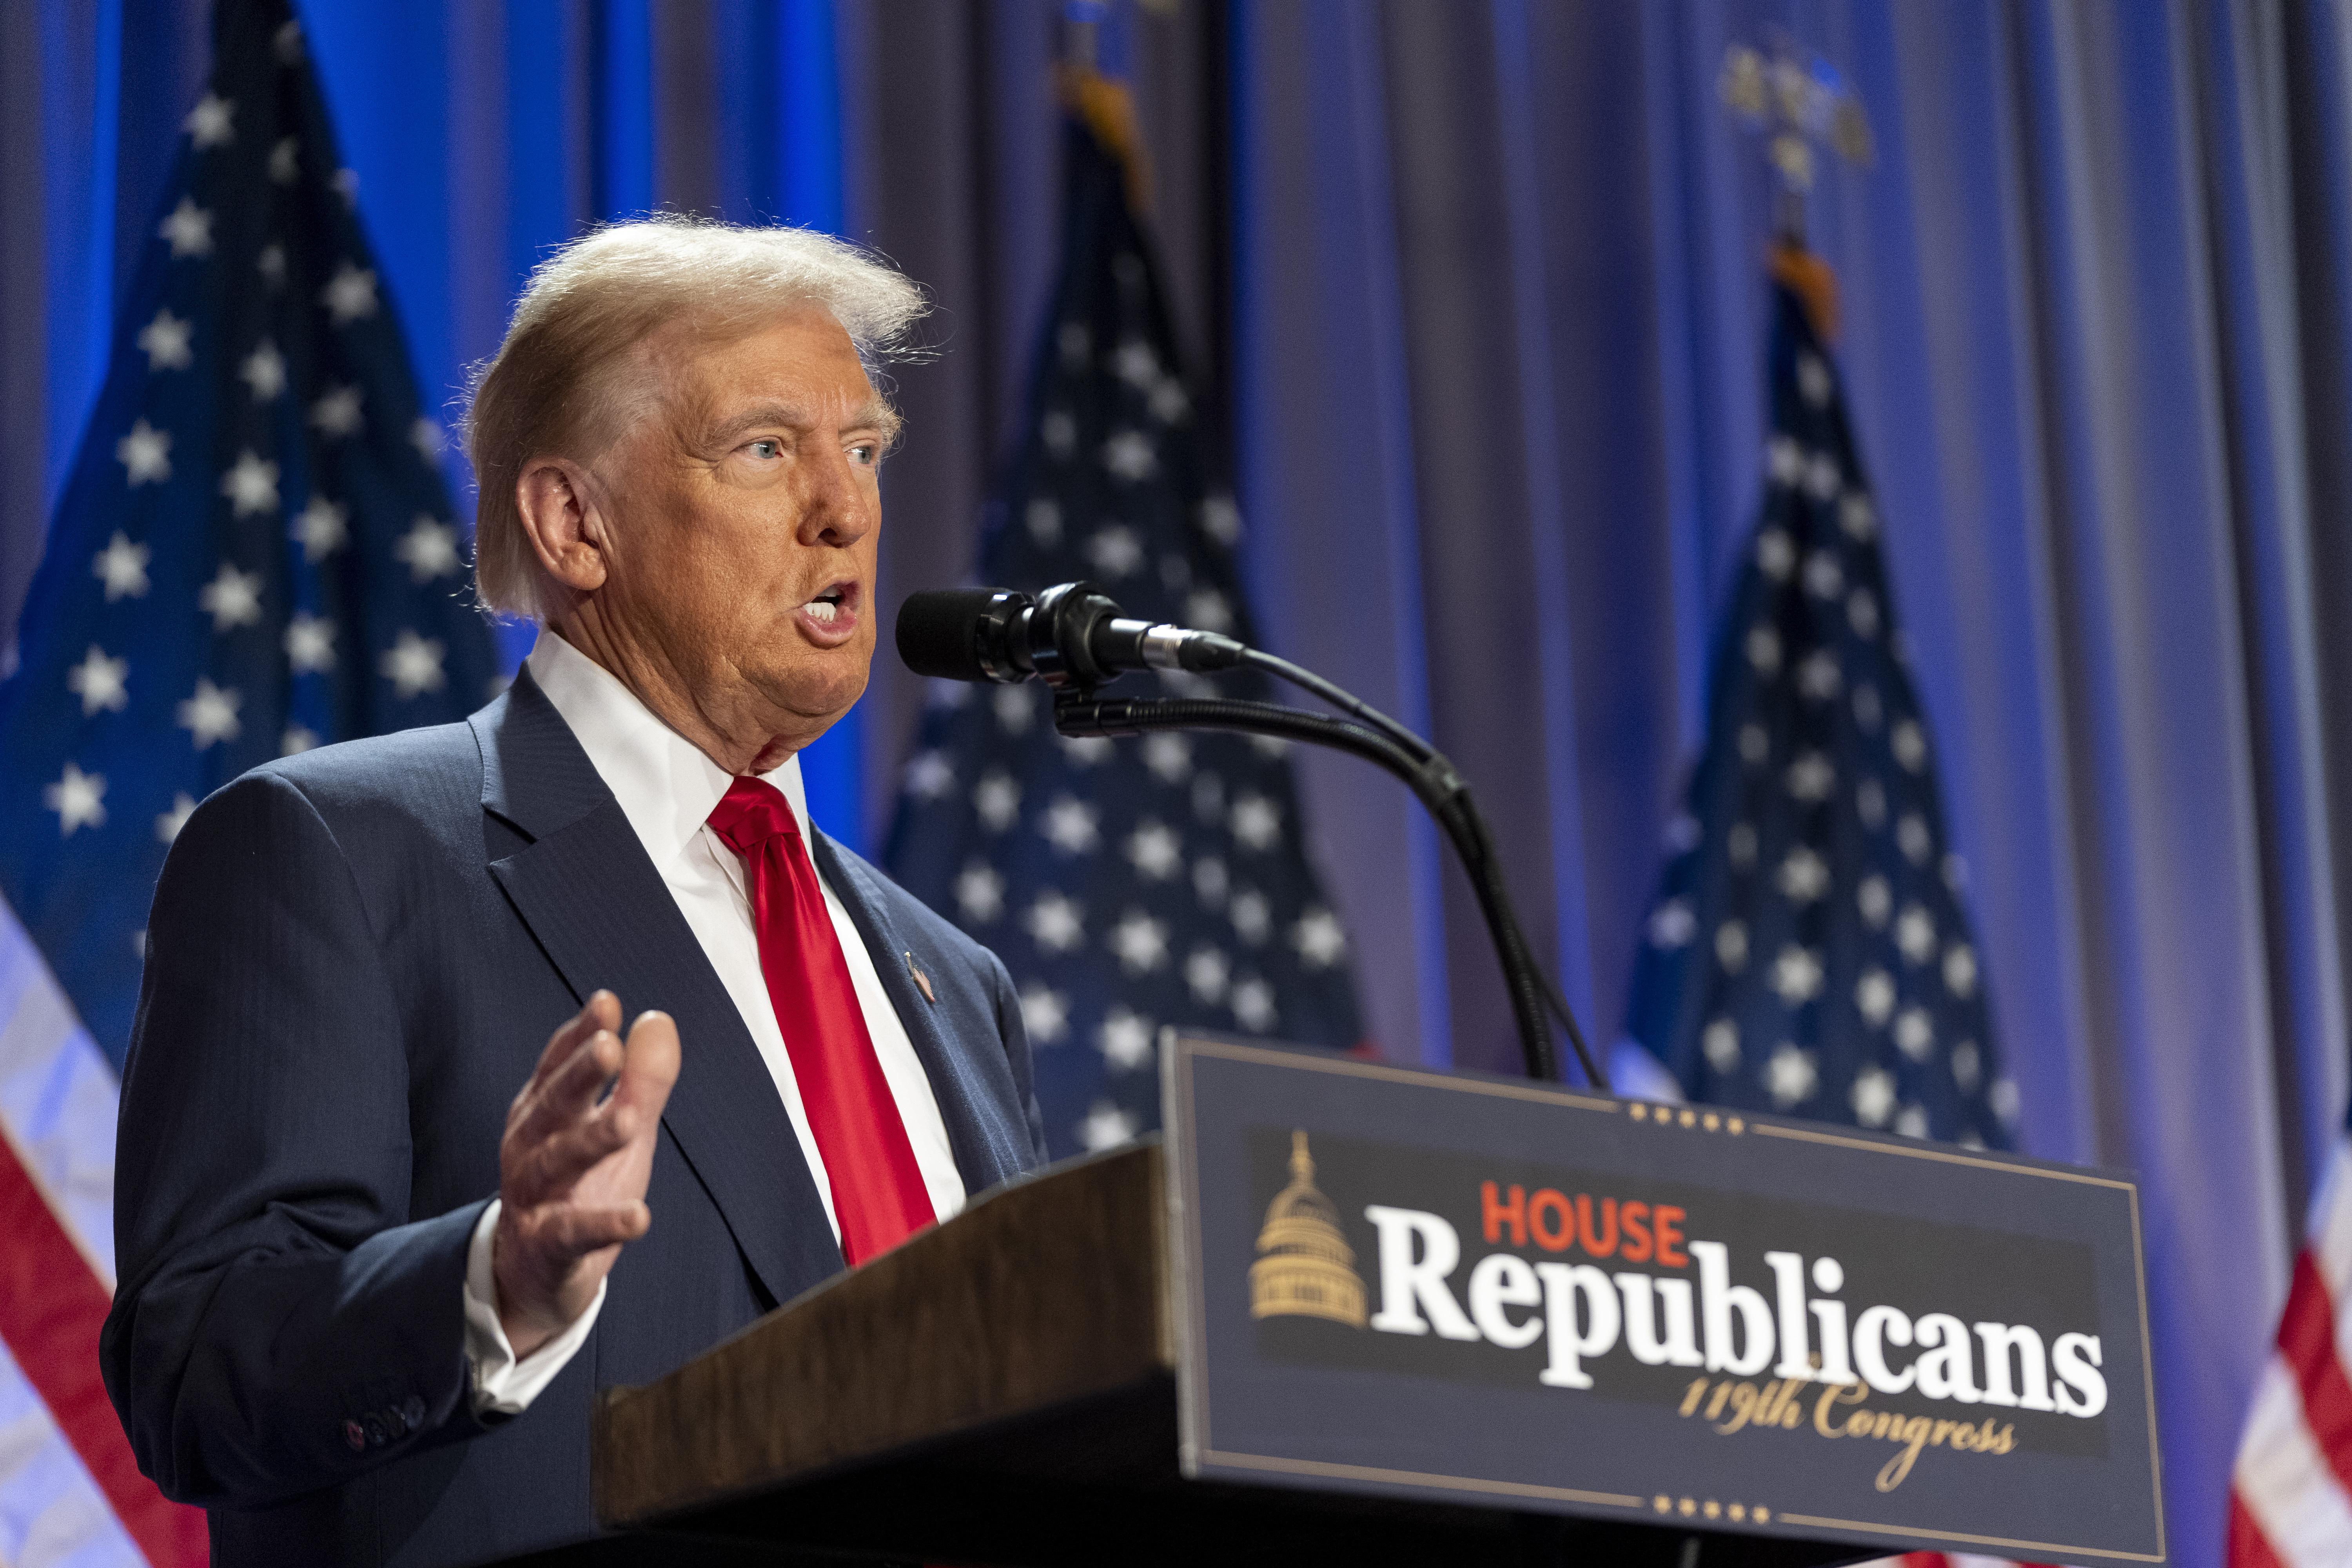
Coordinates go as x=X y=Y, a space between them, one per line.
x=1797 y=103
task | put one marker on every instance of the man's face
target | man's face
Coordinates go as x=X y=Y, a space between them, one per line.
x=745 y=515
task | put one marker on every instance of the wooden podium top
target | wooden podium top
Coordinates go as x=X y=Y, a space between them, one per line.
x=1042 y=1295
x=1002 y=1389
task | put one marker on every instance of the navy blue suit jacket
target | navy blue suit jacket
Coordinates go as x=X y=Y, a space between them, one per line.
x=356 y=956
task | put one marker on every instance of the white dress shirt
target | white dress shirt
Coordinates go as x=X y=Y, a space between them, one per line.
x=668 y=788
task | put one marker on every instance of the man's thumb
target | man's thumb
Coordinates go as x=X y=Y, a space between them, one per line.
x=652 y=1062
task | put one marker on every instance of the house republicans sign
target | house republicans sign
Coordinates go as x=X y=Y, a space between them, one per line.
x=1456 y=1288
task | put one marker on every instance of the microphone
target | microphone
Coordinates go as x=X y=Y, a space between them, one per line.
x=1070 y=635
x=1073 y=637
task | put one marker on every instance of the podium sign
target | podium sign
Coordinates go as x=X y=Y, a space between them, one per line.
x=1467 y=1290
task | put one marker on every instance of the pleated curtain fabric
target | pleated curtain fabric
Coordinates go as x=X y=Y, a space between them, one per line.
x=1484 y=283
x=2094 y=340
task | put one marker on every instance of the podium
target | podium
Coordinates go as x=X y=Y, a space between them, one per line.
x=1002 y=1390
x=1071 y=1370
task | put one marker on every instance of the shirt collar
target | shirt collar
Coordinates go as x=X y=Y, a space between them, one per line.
x=665 y=787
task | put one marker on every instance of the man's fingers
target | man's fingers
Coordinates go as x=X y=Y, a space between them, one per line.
x=558 y=1135
x=560 y=1047
x=554 y=1164
x=643 y=1079
x=603 y=1012
x=568 y=1094
x=563 y=1103
x=571 y=1230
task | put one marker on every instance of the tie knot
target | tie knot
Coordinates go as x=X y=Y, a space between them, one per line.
x=751 y=812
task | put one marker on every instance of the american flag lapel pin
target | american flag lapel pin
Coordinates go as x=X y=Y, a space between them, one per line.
x=923 y=981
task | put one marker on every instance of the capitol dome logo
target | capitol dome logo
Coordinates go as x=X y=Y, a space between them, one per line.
x=1305 y=1267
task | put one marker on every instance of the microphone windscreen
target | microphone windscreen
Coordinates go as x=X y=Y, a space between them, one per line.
x=938 y=632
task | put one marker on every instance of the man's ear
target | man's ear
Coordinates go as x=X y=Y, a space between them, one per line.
x=559 y=513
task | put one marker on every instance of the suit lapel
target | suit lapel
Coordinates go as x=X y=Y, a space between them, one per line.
x=594 y=900
x=986 y=1127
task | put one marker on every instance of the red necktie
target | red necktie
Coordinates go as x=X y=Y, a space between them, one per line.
x=878 y=1195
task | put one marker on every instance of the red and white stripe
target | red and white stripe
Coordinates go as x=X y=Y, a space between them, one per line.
x=2291 y=1494
x=70 y=1492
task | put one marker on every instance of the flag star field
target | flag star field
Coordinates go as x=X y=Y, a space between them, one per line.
x=1127 y=885
x=1808 y=953
x=256 y=553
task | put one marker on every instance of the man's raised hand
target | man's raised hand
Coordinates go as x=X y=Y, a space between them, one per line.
x=573 y=1164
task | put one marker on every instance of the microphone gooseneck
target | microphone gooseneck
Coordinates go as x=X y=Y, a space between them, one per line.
x=1073 y=637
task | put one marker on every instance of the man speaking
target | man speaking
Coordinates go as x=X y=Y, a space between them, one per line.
x=397 y=1193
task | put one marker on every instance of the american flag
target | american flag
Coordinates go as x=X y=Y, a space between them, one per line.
x=2291 y=1495
x=1127 y=885
x=255 y=554
x=1808 y=953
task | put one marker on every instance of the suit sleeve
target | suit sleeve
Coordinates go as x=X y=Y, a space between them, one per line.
x=1015 y=1035
x=280 y=1324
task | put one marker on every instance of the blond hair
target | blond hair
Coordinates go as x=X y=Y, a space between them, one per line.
x=560 y=384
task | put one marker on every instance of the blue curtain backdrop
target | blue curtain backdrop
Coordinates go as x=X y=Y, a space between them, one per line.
x=1497 y=327
x=1480 y=284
